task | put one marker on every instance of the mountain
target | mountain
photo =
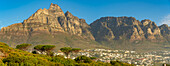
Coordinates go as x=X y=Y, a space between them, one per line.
x=53 y=26
x=118 y=28
x=50 y=26
x=131 y=34
x=165 y=31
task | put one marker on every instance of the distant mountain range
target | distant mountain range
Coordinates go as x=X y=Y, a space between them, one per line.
x=53 y=26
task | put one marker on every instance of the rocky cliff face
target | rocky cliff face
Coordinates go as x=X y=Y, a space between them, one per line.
x=50 y=21
x=48 y=26
x=118 y=28
x=165 y=31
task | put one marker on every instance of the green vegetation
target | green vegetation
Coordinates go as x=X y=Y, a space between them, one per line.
x=76 y=50
x=17 y=57
x=45 y=48
x=67 y=50
x=93 y=58
x=39 y=48
x=138 y=46
x=167 y=64
x=23 y=46
x=34 y=52
x=83 y=59
x=60 y=40
x=118 y=63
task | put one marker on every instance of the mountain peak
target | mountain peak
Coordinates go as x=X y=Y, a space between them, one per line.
x=55 y=10
x=68 y=14
x=39 y=11
x=54 y=7
x=147 y=22
x=164 y=26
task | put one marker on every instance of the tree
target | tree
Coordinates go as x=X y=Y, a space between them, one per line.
x=39 y=48
x=66 y=50
x=83 y=59
x=48 y=47
x=76 y=50
x=23 y=46
x=45 y=48
x=93 y=58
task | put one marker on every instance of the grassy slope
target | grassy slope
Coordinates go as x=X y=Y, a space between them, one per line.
x=139 y=46
x=58 y=39
x=64 y=40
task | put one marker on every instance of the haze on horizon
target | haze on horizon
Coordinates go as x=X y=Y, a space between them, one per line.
x=15 y=11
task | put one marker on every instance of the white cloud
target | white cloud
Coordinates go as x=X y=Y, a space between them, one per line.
x=166 y=20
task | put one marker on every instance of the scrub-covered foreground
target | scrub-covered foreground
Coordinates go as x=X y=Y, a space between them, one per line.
x=16 y=57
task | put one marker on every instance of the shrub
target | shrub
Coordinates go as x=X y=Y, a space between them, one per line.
x=34 y=52
x=23 y=46
x=83 y=59
x=45 y=48
x=118 y=63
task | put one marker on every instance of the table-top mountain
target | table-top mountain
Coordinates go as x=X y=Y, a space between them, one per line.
x=117 y=28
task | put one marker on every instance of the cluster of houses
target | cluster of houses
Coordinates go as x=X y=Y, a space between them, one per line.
x=131 y=57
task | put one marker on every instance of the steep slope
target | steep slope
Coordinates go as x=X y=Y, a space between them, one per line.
x=165 y=31
x=129 y=33
x=151 y=31
x=118 y=28
x=49 y=26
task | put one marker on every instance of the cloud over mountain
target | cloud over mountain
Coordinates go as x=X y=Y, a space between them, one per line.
x=166 y=20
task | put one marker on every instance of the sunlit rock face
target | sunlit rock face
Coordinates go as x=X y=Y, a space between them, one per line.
x=49 y=21
x=151 y=30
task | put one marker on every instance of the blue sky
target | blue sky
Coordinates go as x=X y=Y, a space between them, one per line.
x=15 y=11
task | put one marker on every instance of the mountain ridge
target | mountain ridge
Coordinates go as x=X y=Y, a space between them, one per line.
x=146 y=29
x=53 y=26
